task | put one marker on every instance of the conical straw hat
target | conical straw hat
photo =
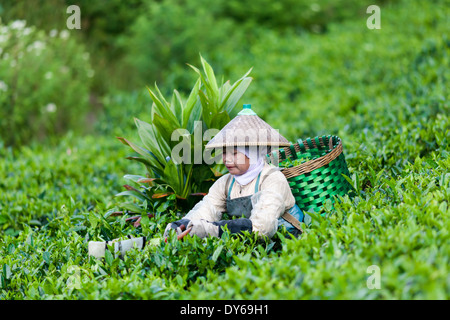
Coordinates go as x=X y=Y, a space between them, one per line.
x=247 y=129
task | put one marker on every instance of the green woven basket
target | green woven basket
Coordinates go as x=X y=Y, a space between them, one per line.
x=313 y=168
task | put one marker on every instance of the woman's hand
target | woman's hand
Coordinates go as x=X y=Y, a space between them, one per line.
x=203 y=228
x=176 y=226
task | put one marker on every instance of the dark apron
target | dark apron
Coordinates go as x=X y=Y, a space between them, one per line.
x=242 y=206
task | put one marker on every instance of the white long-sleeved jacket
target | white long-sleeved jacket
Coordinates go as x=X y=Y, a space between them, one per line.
x=274 y=198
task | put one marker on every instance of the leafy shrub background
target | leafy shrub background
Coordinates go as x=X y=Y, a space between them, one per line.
x=45 y=83
x=384 y=92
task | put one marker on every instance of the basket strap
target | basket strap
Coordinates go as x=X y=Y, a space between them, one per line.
x=292 y=220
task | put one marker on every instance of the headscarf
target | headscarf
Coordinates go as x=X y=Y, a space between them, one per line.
x=256 y=156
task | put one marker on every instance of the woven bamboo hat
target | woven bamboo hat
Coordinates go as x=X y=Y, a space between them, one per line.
x=247 y=129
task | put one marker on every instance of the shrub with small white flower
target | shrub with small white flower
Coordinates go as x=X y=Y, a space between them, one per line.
x=44 y=83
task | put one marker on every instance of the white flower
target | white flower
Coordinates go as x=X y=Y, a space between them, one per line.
x=90 y=73
x=13 y=63
x=3 y=86
x=85 y=56
x=3 y=38
x=48 y=75
x=18 y=24
x=36 y=46
x=50 y=108
x=64 y=34
x=53 y=33
x=26 y=31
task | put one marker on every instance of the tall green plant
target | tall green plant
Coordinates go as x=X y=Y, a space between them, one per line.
x=209 y=104
x=218 y=102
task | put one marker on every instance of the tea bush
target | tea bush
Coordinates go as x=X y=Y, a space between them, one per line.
x=384 y=92
x=38 y=182
x=52 y=96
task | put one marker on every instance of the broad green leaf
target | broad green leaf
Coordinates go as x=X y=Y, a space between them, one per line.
x=137 y=195
x=147 y=164
x=235 y=94
x=220 y=120
x=143 y=152
x=164 y=111
x=187 y=179
x=191 y=102
x=6 y=271
x=216 y=253
x=207 y=109
x=34 y=222
x=154 y=142
x=93 y=219
x=179 y=280
x=109 y=257
x=46 y=257
x=161 y=98
x=145 y=221
x=348 y=179
x=211 y=78
x=132 y=207
x=133 y=177
x=172 y=177
x=165 y=130
x=195 y=116
x=228 y=90
x=204 y=81
x=177 y=104
x=223 y=90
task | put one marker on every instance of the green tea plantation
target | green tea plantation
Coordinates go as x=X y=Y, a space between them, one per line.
x=66 y=179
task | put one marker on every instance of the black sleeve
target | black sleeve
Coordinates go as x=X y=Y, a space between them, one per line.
x=235 y=226
x=178 y=223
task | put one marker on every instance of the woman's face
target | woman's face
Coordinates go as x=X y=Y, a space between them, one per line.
x=236 y=162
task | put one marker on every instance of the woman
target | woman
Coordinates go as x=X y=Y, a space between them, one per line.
x=254 y=191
